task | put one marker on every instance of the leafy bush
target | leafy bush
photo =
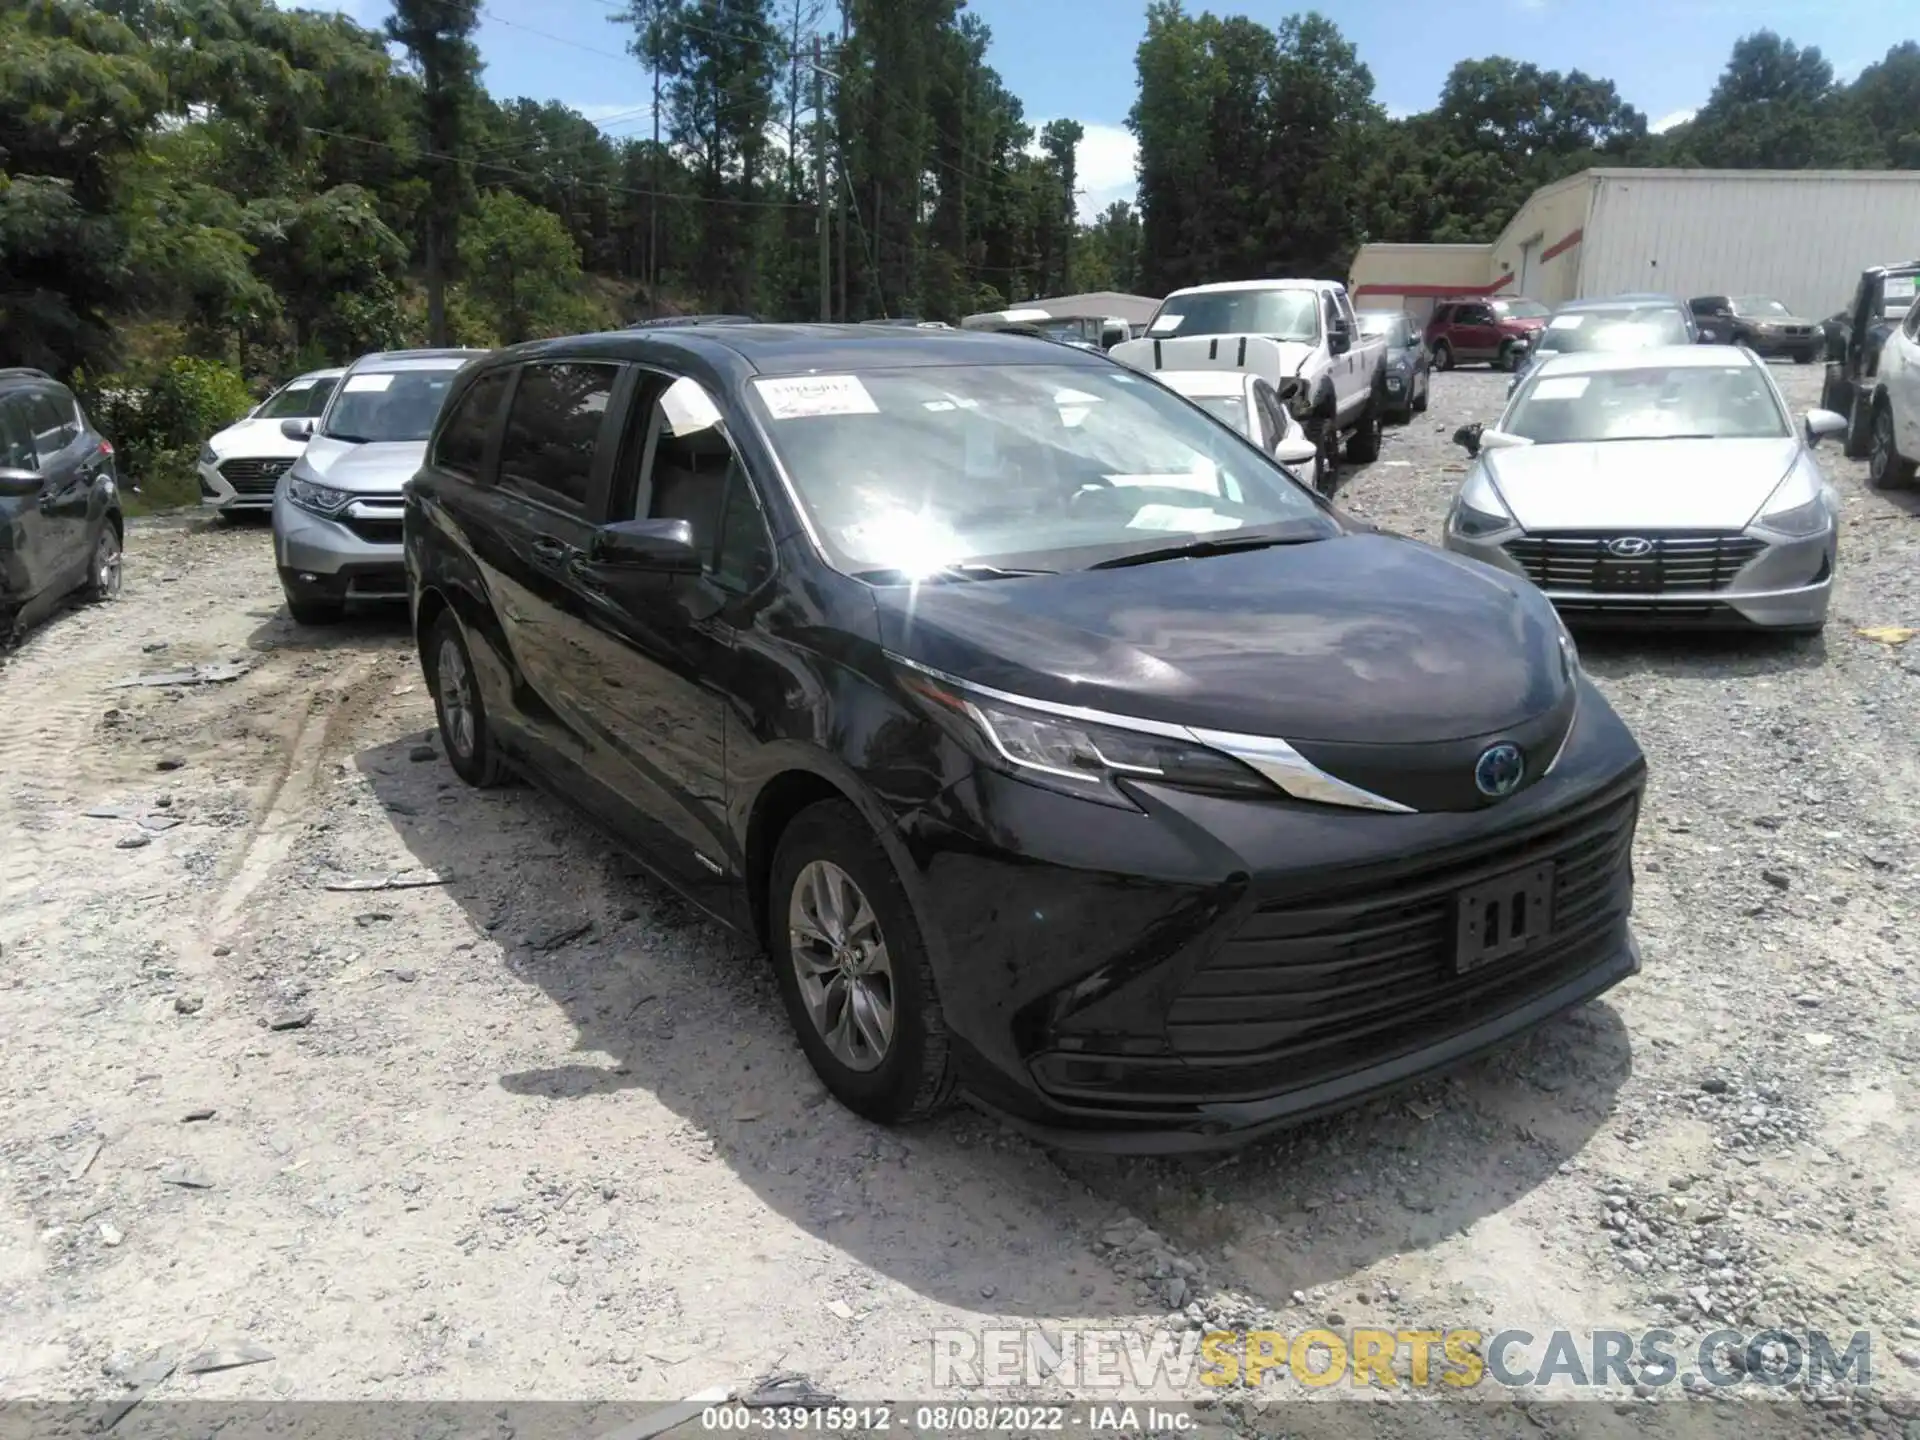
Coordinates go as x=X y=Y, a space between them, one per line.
x=158 y=418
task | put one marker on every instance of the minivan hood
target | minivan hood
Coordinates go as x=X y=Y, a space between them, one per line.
x=1369 y=639
x=255 y=440
x=1640 y=484
x=380 y=468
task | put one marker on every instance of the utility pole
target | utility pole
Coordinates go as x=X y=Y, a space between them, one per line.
x=820 y=183
x=653 y=201
x=842 y=186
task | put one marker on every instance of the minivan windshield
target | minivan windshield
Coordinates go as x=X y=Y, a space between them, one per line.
x=1282 y=314
x=1653 y=402
x=911 y=470
x=298 y=400
x=1574 y=331
x=387 y=406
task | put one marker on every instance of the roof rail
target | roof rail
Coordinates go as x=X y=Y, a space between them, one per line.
x=23 y=372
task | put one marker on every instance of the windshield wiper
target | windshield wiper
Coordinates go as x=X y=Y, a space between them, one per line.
x=958 y=570
x=1201 y=546
x=349 y=439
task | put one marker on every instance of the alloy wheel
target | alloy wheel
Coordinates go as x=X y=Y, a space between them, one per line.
x=455 y=685
x=107 y=565
x=841 y=962
x=1880 y=458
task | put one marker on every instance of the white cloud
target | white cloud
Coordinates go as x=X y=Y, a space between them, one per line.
x=1668 y=122
x=1104 y=166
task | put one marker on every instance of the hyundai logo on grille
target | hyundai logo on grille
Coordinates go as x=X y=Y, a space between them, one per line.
x=1499 y=770
x=1630 y=547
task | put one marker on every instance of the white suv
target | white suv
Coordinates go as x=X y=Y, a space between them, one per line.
x=1894 y=452
x=240 y=466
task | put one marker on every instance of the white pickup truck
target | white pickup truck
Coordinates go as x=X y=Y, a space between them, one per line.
x=1335 y=370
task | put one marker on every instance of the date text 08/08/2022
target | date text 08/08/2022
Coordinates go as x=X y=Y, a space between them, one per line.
x=949 y=1419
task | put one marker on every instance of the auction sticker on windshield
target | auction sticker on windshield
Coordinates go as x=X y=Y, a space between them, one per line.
x=797 y=397
x=1165 y=324
x=358 y=383
x=1561 y=387
x=1565 y=322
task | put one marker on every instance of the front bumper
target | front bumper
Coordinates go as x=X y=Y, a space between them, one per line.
x=1201 y=973
x=1788 y=585
x=1773 y=343
x=240 y=483
x=357 y=555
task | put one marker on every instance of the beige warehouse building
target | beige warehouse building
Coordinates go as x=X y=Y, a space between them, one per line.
x=1802 y=236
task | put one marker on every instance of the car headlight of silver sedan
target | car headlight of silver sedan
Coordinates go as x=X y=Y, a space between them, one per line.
x=1478 y=511
x=1797 y=509
x=320 y=499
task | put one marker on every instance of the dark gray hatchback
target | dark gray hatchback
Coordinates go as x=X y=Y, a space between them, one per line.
x=61 y=528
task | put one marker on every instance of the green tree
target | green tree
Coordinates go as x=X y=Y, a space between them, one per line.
x=522 y=268
x=438 y=36
x=1775 y=107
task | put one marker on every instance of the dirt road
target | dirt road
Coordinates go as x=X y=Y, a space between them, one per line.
x=537 y=1130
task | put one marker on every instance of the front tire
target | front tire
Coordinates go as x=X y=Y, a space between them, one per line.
x=1420 y=405
x=1887 y=468
x=103 y=575
x=1363 y=445
x=457 y=707
x=1858 y=440
x=1442 y=355
x=853 y=969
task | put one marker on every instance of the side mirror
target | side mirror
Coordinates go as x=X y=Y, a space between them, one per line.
x=19 y=482
x=1339 y=339
x=688 y=410
x=654 y=547
x=1112 y=335
x=1295 y=450
x=301 y=430
x=1821 y=423
x=1467 y=437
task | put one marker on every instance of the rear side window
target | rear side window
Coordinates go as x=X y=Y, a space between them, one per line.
x=462 y=447
x=300 y=400
x=553 y=430
x=55 y=426
x=16 y=435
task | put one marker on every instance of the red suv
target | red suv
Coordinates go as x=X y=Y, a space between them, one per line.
x=1464 y=331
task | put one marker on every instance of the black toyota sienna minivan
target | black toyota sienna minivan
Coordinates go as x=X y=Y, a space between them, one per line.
x=1060 y=747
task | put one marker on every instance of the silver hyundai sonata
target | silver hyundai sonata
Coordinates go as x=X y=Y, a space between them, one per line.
x=1666 y=487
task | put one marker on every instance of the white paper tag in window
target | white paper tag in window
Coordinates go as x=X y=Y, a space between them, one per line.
x=1561 y=387
x=1181 y=519
x=1165 y=324
x=293 y=385
x=1566 y=322
x=797 y=397
x=1902 y=287
x=358 y=383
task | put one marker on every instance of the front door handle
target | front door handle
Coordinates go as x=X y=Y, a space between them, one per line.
x=550 y=550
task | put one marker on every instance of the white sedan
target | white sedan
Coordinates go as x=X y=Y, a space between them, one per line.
x=1666 y=487
x=240 y=466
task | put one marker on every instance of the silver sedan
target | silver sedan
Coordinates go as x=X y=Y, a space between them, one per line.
x=1666 y=487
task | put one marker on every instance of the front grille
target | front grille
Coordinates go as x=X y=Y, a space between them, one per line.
x=1676 y=562
x=1330 y=984
x=253 y=477
x=376 y=532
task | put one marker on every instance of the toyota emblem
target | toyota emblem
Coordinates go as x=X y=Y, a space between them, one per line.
x=1630 y=547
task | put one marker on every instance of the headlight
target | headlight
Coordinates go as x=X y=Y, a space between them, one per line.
x=1797 y=508
x=207 y=456
x=1082 y=759
x=1478 y=512
x=320 y=499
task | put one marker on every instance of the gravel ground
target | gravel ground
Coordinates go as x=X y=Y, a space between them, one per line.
x=540 y=1131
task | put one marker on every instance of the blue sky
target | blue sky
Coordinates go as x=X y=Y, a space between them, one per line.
x=1075 y=57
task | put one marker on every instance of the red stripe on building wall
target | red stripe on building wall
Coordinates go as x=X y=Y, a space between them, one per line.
x=1455 y=292
x=1562 y=246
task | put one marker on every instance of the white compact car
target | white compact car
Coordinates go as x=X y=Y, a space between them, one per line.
x=240 y=466
x=1240 y=383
